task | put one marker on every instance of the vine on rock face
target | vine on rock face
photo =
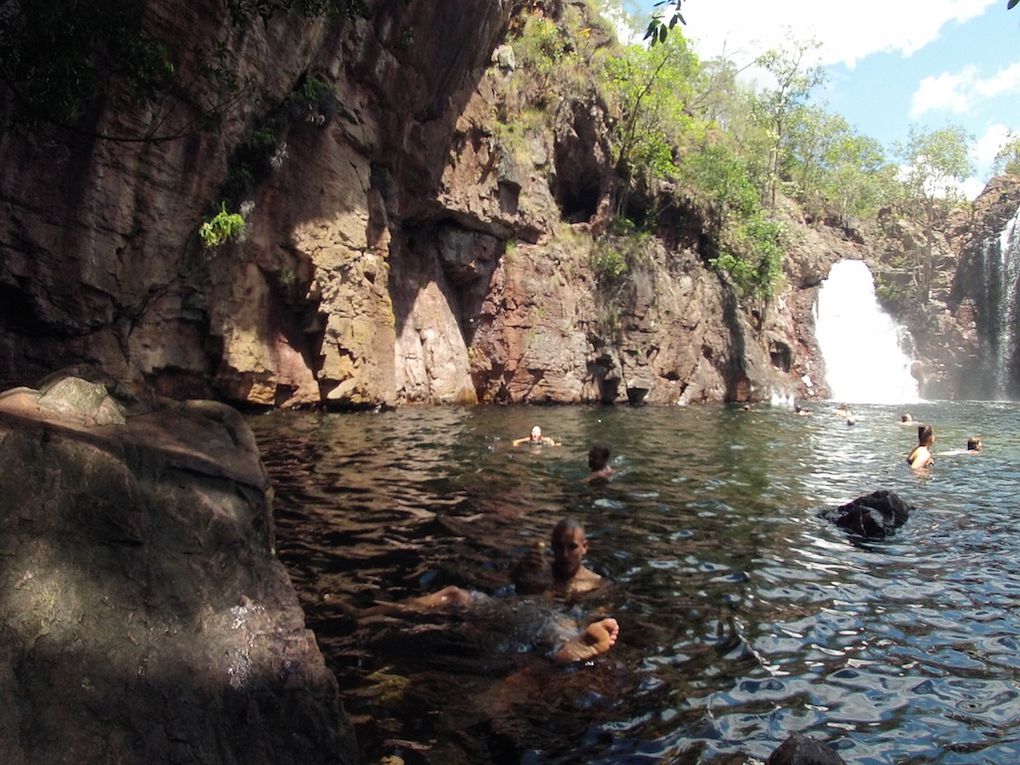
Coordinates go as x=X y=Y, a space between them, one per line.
x=221 y=228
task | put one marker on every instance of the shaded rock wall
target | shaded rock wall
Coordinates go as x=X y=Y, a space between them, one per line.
x=144 y=617
x=401 y=250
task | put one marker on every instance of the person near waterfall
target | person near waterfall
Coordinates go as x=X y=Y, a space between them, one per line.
x=920 y=456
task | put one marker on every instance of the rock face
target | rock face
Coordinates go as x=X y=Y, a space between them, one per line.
x=145 y=617
x=401 y=247
x=874 y=516
x=399 y=251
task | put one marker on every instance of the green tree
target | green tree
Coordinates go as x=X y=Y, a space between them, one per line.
x=795 y=80
x=649 y=88
x=935 y=162
x=1007 y=158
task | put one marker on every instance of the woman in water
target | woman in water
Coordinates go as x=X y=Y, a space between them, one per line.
x=920 y=456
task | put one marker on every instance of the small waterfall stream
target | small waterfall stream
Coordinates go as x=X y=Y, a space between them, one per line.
x=1000 y=273
x=860 y=343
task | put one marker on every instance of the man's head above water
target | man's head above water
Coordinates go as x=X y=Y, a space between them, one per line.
x=569 y=546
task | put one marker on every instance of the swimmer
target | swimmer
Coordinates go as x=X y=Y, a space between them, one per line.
x=598 y=463
x=568 y=572
x=535 y=438
x=906 y=419
x=533 y=575
x=973 y=447
x=798 y=409
x=920 y=456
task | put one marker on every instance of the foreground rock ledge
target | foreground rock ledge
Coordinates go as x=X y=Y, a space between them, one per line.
x=143 y=615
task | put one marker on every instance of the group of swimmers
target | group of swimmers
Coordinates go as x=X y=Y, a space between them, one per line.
x=535 y=575
x=921 y=456
x=598 y=455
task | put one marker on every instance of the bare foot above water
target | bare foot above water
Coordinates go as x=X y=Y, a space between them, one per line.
x=597 y=638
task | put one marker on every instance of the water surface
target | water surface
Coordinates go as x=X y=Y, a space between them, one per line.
x=744 y=617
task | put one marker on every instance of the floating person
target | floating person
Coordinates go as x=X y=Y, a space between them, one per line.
x=973 y=447
x=843 y=410
x=533 y=574
x=920 y=456
x=906 y=419
x=535 y=438
x=598 y=463
x=798 y=409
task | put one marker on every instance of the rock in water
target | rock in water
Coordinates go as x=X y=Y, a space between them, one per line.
x=804 y=750
x=874 y=516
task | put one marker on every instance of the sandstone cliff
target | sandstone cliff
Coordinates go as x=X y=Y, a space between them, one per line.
x=399 y=249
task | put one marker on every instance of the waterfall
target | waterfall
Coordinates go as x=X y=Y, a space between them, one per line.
x=860 y=343
x=1000 y=273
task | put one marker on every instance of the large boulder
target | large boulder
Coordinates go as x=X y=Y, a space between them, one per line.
x=874 y=516
x=144 y=616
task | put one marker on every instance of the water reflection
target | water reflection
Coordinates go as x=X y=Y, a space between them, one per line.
x=744 y=617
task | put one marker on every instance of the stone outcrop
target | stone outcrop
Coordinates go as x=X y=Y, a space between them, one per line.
x=144 y=616
x=408 y=242
x=874 y=516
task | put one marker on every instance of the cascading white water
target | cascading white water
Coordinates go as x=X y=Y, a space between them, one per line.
x=1007 y=264
x=860 y=343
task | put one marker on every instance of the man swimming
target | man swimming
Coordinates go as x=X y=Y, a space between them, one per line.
x=533 y=575
x=598 y=463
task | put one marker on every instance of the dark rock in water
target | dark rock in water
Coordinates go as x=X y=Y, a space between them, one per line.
x=144 y=615
x=804 y=750
x=874 y=516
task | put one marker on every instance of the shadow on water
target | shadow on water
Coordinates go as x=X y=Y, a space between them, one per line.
x=744 y=617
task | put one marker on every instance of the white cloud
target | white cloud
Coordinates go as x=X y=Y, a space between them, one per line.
x=959 y=92
x=984 y=149
x=848 y=31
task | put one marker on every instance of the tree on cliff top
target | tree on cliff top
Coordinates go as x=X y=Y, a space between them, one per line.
x=935 y=162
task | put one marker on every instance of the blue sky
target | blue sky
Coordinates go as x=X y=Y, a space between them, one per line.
x=891 y=63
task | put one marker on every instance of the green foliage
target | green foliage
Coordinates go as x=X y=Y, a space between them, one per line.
x=221 y=228
x=311 y=91
x=754 y=263
x=936 y=161
x=723 y=177
x=659 y=25
x=1007 y=159
x=608 y=264
x=540 y=46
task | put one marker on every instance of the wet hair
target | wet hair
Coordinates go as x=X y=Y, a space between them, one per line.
x=905 y=418
x=973 y=444
x=924 y=434
x=598 y=457
x=566 y=524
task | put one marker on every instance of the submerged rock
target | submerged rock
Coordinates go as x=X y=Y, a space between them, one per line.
x=145 y=617
x=798 y=749
x=874 y=516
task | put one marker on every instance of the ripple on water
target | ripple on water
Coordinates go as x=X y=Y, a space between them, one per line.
x=744 y=616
